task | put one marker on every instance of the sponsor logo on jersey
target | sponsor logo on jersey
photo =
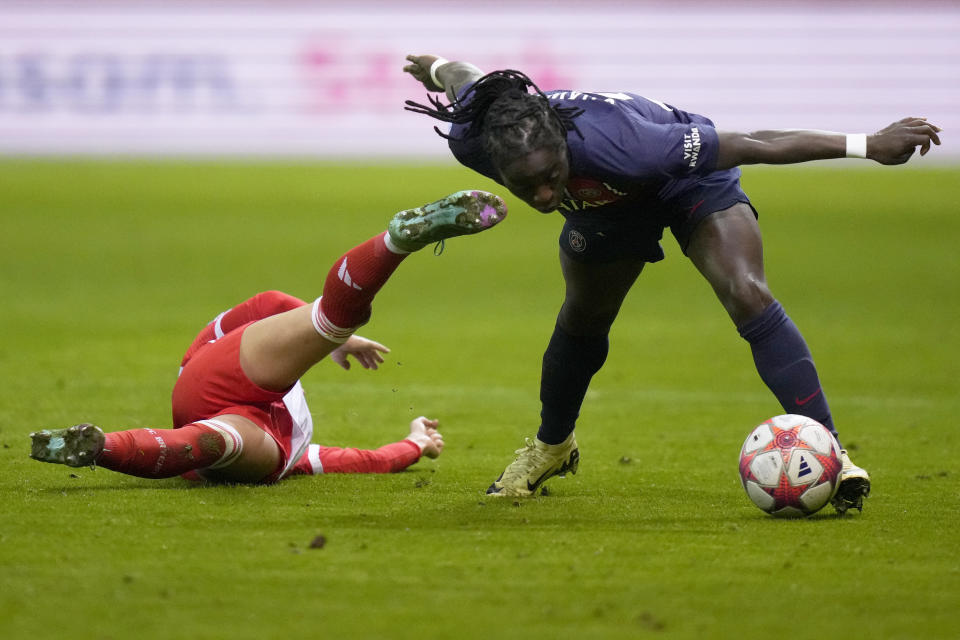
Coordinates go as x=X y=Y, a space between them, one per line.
x=691 y=147
x=587 y=193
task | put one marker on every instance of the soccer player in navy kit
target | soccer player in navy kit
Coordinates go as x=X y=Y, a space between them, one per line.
x=620 y=168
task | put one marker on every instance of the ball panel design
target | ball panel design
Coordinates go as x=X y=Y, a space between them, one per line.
x=817 y=438
x=758 y=439
x=815 y=497
x=760 y=497
x=766 y=468
x=803 y=468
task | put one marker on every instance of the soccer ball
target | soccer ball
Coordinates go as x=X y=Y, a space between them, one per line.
x=790 y=466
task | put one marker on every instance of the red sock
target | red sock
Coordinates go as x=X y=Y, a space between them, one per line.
x=165 y=453
x=387 y=459
x=355 y=279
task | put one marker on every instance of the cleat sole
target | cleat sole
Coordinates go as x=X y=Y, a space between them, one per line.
x=850 y=494
x=76 y=446
x=461 y=213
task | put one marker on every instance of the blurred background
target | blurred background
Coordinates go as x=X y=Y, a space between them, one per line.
x=323 y=79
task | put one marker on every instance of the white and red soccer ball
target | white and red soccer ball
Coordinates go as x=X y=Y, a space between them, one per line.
x=790 y=466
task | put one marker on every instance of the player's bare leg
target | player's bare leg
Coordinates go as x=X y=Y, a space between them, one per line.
x=727 y=249
x=276 y=351
x=258 y=457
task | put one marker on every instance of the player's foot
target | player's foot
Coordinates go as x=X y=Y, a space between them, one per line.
x=76 y=446
x=535 y=463
x=854 y=486
x=458 y=214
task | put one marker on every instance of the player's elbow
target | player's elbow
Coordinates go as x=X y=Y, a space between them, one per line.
x=735 y=149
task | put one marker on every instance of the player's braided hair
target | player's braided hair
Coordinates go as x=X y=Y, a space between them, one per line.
x=510 y=120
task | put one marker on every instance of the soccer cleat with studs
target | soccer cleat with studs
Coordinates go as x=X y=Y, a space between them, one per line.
x=458 y=214
x=76 y=446
x=854 y=486
x=535 y=464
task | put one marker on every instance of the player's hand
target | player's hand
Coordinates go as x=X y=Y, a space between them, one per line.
x=896 y=143
x=424 y=434
x=419 y=68
x=367 y=352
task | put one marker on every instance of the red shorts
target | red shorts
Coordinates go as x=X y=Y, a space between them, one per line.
x=212 y=383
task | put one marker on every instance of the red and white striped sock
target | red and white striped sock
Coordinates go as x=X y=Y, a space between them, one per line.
x=165 y=453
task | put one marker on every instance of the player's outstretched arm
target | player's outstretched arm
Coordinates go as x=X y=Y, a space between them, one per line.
x=439 y=74
x=891 y=145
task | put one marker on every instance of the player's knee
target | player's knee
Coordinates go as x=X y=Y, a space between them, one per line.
x=258 y=457
x=746 y=297
x=587 y=320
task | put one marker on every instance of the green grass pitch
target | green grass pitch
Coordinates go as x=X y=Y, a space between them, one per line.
x=109 y=269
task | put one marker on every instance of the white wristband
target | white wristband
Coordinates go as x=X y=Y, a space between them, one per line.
x=433 y=70
x=856 y=145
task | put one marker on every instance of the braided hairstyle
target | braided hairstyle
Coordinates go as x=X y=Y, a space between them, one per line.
x=510 y=120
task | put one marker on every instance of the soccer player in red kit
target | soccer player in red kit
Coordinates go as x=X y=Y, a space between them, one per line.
x=239 y=410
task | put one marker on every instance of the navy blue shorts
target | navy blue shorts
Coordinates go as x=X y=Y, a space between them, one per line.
x=635 y=229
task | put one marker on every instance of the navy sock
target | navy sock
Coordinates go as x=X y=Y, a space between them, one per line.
x=568 y=365
x=785 y=365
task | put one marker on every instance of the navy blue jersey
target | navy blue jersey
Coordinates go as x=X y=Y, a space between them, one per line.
x=633 y=150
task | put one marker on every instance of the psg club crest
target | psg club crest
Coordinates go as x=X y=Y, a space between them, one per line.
x=577 y=242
